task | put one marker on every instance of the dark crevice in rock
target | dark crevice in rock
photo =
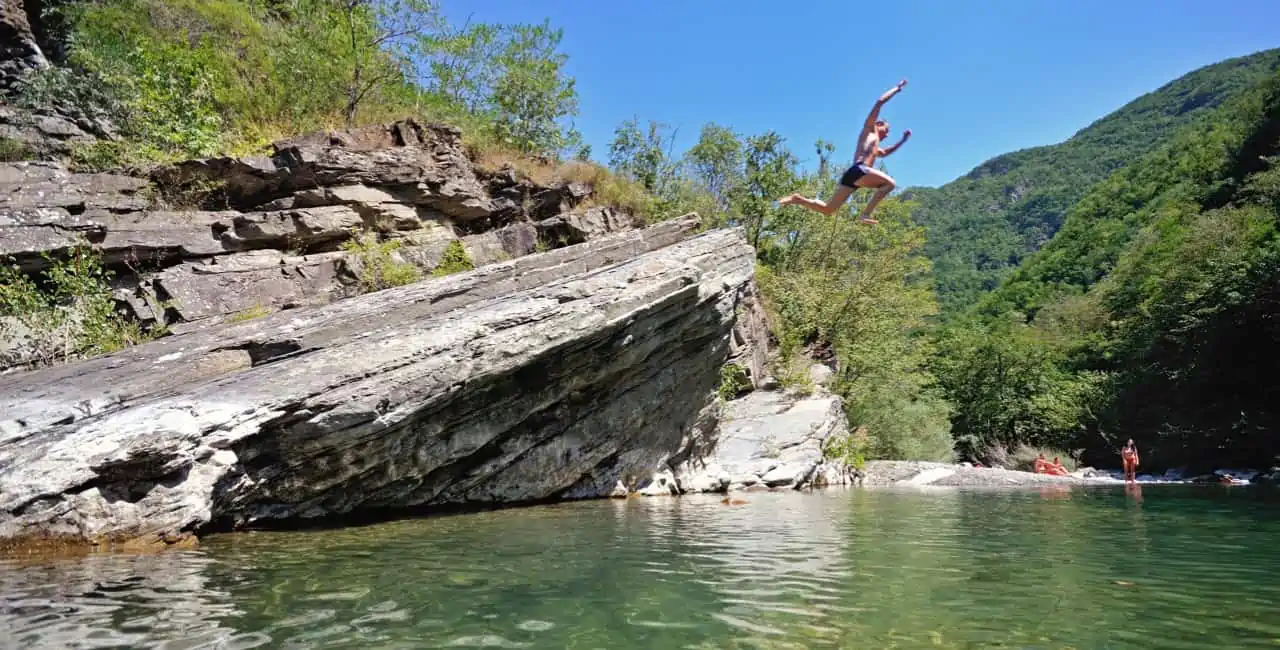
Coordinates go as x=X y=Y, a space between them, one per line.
x=132 y=490
x=263 y=353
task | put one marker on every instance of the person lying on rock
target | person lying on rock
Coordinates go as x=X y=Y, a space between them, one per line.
x=861 y=174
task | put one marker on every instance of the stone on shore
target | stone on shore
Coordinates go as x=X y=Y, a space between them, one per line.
x=923 y=473
x=766 y=439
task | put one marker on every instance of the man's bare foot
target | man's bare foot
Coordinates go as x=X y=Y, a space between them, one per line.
x=868 y=220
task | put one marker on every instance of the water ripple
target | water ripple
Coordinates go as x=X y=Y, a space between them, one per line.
x=877 y=568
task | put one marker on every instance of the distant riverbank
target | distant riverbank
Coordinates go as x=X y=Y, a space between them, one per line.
x=895 y=472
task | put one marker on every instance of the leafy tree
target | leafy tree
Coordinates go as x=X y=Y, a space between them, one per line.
x=510 y=77
x=716 y=162
x=643 y=156
x=461 y=65
x=533 y=96
x=769 y=172
x=382 y=35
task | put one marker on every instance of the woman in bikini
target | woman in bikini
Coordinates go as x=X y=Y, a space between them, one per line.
x=1130 y=457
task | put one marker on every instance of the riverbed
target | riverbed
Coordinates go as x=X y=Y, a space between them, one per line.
x=917 y=567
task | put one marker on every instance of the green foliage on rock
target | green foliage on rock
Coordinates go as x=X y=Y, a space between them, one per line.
x=733 y=381
x=13 y=150
x=454 y=260
x=69 y=314
x=848 y=450
x=187 y=78
x=376 y=266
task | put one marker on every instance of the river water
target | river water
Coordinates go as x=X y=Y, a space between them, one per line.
x=1098 y=567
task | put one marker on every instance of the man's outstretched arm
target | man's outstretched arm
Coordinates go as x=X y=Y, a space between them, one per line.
x=875 y=110
x=892 y=148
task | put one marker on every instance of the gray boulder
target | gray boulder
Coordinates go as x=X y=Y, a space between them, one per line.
x=768 y=439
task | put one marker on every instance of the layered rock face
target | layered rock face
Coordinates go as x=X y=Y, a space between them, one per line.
x=197 y=242
x=557 y=375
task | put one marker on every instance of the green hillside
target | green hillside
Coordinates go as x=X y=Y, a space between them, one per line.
x=1154 y=313
x=982 y=225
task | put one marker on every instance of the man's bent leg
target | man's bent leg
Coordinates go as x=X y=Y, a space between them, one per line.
x=883 y=184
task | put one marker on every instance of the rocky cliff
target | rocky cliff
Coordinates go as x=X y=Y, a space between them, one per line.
x=197 y=242
x=581 y=355
x=558 y=375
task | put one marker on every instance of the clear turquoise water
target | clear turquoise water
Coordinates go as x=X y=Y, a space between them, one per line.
x=1183 y=567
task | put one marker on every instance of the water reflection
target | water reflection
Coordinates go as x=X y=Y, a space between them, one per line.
x=835 y=569
x=162 y=601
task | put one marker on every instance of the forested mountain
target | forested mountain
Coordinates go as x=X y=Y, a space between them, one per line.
x=1154 y=313
x=981 y=226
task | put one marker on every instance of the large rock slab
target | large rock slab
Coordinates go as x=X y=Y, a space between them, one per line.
x=408 y=162
x=499 y=385
x=766 y=439
x=575 y=227
x=264 y=280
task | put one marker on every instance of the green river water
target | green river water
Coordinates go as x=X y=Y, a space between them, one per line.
x=1171 y=567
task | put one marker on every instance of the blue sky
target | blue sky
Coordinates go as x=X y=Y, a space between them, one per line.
x=984 y=77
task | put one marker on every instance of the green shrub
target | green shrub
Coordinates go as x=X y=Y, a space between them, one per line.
x=733 y=381
x=252 y=313
x=376 y=267
x=849 y=450
x=454 y=260
x=70 y=314
x=165 y=86
x=14 y=151
x=791 y=369
x=113 y=155
x=72 y=91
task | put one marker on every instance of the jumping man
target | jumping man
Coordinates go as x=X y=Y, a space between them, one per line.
x=861 y=174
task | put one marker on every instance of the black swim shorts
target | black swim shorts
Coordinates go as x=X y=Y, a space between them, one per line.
x=851 y=175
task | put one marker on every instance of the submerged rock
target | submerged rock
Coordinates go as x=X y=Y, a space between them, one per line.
x=559 y=375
